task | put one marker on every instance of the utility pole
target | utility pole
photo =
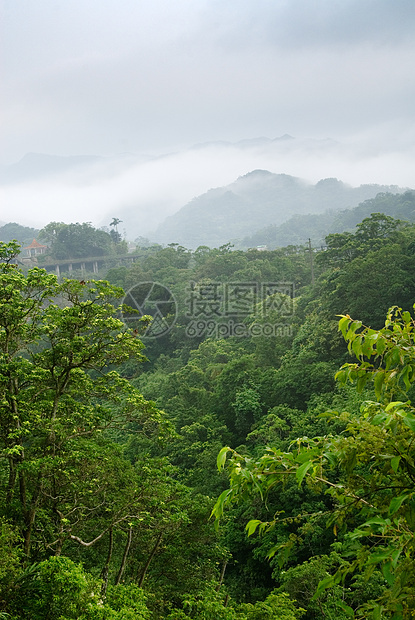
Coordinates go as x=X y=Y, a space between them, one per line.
x=311 y=261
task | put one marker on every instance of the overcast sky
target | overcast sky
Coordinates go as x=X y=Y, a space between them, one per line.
x=103 y=77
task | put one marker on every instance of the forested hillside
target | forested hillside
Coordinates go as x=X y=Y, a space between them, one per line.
x=255 y=200
x=23 y=234
x=109 y=469
x=317 y=226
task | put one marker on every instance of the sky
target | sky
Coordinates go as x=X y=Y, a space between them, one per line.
x=154 y=77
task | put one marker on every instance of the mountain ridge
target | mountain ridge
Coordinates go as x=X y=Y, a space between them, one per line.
x=255 y=200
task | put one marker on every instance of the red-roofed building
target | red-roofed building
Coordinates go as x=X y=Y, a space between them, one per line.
x=34 y=249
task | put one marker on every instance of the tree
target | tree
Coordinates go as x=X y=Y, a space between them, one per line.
x=115 y=235
x=76 y=240
x=60 y=589
x=368 y=470
x=372 y=233
x=23 y=234
x=210 y=604
x=59 y=399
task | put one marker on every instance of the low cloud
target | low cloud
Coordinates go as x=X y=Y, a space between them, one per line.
x=143 y=191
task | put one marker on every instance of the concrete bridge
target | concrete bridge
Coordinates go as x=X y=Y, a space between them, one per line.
x=91 y=264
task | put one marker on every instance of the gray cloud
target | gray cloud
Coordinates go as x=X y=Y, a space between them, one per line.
x=303 y=24
x=106 y=77
x=143 y=192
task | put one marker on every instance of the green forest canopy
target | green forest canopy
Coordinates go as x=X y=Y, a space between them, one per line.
x=108 y=468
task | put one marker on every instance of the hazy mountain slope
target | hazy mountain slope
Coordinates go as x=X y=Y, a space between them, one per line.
x=38 y=165
x=23 y=234
x=253 y=201
x=142 y=189
x=316 y=227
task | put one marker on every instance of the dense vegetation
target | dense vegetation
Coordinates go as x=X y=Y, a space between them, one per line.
x=80 y=240
x=109 y=450
x=255 y=200
x=317 y=226
x=65 y=241
x=23 y=234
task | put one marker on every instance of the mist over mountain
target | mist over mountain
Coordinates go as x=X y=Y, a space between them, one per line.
x=144 y=188
x=255 y=200
x=317 y=226
x=36 y=165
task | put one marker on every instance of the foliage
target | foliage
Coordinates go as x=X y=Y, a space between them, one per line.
x=211 y=604
x=373 y=496
x=298 y=228
x=77 y=240
x=377 y=259
x=55 y=589
x=58 y=395
x=59 y=589
x=94 y=477
x=276 y=605
x=13 y=231
x=74 y=479
x=10 y=555
x=128 y=601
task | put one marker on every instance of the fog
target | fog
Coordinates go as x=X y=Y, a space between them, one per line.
x=142 y=192
x=139 y=83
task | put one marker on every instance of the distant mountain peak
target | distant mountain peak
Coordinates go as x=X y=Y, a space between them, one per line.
x=37 y=165
x=257 y=173
x=257 y=199
x=330 y=182
x=286 y=136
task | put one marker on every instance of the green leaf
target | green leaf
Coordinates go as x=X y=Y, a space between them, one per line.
x=409 y=421
x=405 y=376
x=378 y=382
x=393 y=405
x=377 y=612
x=328 y=582
x=396 y=503
x=302 y=470
x=377 y=521
x=217 y=510
x=395 y=463
x=357 y=346
x=379 y=419
x=354 y=325
x=381 y=346
x=379 y=556
x=343 y=325
x=347 y=610
x=386 y=572
x=252 y=525
x=221 y=459
x=395 y=557
x=361 y=382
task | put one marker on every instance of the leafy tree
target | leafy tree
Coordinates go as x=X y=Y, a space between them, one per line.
x=367 y=471
x=115 y=235
x=10 y=555
x=60 y=589
x=23 y=234
x=59 y=396
x=76 y=240
x=371 y=234
x=211 y=604
x=54 y=589
x=50 y=232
